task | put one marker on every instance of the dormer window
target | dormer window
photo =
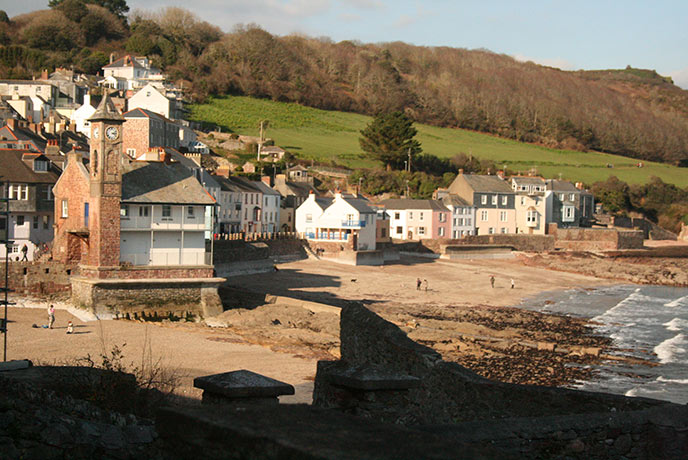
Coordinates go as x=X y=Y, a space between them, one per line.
x=40 y=165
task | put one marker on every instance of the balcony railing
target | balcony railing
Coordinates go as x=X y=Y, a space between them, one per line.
x=353 y=223
x=327 y=236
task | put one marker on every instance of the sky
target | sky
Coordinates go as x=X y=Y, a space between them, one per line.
x=572 y=34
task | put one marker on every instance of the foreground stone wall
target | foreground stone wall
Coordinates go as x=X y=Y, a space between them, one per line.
x=535 y=421
x=528 y=243
x=596 y=239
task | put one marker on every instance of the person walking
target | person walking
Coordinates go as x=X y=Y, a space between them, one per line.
x=425 y=285
x=512 y=283
x=418 y=283
x=492 y=280
x=51 y=316
x=24 y=250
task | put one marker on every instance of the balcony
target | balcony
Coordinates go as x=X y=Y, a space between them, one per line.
x=353 y=223
x=327 y=236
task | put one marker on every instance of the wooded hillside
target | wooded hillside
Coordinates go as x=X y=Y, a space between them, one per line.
x=631 y=112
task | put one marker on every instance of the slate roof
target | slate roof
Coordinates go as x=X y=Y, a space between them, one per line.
x=360 y=205
x=323 y=201
x=402 y=204
x=264 y=188
x=528 y=180
x=14 y=169
x=482 y=183
x=144 y=113
x=561 y=186
x=125 y=61
x=155 y=182
x=455 y=200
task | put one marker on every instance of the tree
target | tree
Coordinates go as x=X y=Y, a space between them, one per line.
x=389 y=138
x=118 y=7
x=74 y=10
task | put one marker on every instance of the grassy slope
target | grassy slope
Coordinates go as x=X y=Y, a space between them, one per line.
x=325 y=135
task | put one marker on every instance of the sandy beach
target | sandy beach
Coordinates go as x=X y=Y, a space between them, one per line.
x=460 y=315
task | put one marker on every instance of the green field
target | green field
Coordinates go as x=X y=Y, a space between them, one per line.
x=327 y=135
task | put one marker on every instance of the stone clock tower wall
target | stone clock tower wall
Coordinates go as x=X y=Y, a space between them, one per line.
x=106 y=186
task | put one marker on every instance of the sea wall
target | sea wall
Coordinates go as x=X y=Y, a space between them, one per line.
x=38 y=278
x=595 y=239
x=532 y=420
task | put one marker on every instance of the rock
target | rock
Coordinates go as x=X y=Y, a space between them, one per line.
x=577 y=446
x=57 y=435
x=137 y=434
x=623 y=443
x=112 y=438
x=546 y=346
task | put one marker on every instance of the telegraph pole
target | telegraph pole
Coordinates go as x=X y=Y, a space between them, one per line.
x=409 y=159
x=5 y=239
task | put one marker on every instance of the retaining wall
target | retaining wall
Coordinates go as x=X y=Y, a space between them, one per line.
x=38 y=278
x=596 y=239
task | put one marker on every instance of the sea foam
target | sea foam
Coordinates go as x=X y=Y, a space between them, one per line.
x=676 y=324
x=678 y=302
x=668 y=351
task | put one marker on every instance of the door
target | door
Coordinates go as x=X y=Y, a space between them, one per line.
x=86 y=215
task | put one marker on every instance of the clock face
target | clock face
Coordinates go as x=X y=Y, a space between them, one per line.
x=111 y=133
x=96 y=132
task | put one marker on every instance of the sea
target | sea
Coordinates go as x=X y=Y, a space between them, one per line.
x=645 y=322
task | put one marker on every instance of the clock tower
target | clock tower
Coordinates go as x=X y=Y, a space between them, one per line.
x=102 y=213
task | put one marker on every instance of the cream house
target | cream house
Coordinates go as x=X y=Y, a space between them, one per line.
x=530 y=205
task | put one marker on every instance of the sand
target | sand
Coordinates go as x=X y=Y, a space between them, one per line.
x=281 y=343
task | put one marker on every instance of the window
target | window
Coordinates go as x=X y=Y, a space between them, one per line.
x=505 y=200
x=491 y=231
x=383 y=232
x=20 y=221
x=459 y=222
x=440 y=231
x=309 y=218
x=40 y=165
x=19 y=192
x=572 y=197
x=35 y=222
x=568 y=212
x=166 y=210
x=421 y=230
x=421 y=215
x=467 y=221
x=483 y=216
x=124 y=211
x=143 y=211
x=483 y=199
x=65 y=209
x=523 y=201
x=190 y=212
x=396 y=215
x=46 y=222
x=503 y=229
x=443 y=217
x=502 y=216
x=49 y=193
x=531 y=217
x=561 y=197
x=131 y=152
x=410 y=214
x=400 y=230
x=494 y=199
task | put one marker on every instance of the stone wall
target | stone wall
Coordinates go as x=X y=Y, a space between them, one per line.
x=537 y=422
x=596 y=239
x=38 y=278
x=650 y=229
x=529 y=243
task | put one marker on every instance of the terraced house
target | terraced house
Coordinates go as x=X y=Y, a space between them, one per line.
x=417 y=219
x=493 y=199
x=31 y=178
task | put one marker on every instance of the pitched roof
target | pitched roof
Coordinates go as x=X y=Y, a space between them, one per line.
x=404 y=203
x=157 y=182
x=359 y=205
x=482 y=183
x=265 y=189
x=15 y=169
x=454 y=200
x=561 y=186
x=527 y=180
x=145 y=113
x=124 y=61
x=323 y=201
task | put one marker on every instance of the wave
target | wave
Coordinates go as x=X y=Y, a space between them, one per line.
x=668 y=350
x=665 y=380
x=676 y=324
x=678 y=302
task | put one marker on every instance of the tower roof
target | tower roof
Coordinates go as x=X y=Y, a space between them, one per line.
x=106 y=110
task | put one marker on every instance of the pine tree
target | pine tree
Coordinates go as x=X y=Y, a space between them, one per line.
x=389 y=138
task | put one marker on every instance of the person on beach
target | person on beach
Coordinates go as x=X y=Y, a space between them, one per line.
x=492 y=280
x=418 y=283
x=425 y=285
x=51 y=316
x=512 y=283
x=70 y=327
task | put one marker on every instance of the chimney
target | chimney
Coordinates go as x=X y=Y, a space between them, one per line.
x=44 y=74
x=87 y=99
x=112 y=58
x=267 y=180
x=52 y=148
x=500 y=174
x=280 y=179
x=165 y=157
x=12 y=123
x=579 y=185
x=74 y=157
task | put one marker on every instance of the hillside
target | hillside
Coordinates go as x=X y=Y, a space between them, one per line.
x=630 y=112
x=333 y=136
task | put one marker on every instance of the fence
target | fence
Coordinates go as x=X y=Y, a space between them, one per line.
x=263 y=236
